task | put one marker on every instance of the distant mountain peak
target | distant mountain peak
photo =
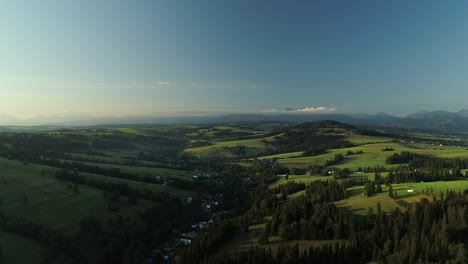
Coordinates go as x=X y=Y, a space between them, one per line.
x=383 y=114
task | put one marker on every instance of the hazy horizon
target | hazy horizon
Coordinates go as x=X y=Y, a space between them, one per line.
x=134 y=58
x=87 y=116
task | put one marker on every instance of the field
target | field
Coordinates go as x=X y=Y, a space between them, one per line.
x=17 y=249
x=253 y=147
x=138 y=185
x=146 y=171
x=217 y=133
x=372 y=153
x=300 y=178
x=45 y=200
x=359 y=203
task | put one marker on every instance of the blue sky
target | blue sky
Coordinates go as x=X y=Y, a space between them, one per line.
x=160 y=57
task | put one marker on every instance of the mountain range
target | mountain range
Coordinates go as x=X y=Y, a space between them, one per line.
x=443 y=121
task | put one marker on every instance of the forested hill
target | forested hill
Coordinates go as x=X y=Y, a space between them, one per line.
x=313 y=137
x=309 y=139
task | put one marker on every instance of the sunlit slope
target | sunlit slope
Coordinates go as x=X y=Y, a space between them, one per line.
x=300 y=140
x=226 y=148
x=372 y=153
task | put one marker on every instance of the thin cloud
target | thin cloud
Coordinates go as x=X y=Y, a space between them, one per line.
x=318 y=109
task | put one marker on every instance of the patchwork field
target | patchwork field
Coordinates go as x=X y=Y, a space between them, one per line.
x=359 y=203
x=372 y=153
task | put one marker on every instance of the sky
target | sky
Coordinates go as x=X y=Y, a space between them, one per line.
x=166 y=57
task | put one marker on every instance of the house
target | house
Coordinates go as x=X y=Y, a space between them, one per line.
x=410 y=190
x=192 y=235
x=189 y=198
x=185 y=241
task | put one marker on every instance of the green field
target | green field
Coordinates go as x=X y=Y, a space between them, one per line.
x=52 y=203
x=17 y=249
x=49 y=201
x=253 y=147
x=137 y=184
x=284 y=155
x=146 y=171
x=212 y=133
x=372 y=153
x=300 y=178
x=359 y=203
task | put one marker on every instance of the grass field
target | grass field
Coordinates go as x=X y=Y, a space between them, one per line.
x=50 y=202
x=150 y=171
x=138 y=185
x=283 y=155
x=300 y=178
x=253 y=147
x=359 y=204
x=211 y=133
x=372 y=153
x=78 y=156
x=17 y=249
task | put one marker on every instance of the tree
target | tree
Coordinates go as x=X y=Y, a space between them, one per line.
x=456 y=172
x=390 y=192
x=264 y=238
x=369 y=189
x=379 y=188
x=133 y=198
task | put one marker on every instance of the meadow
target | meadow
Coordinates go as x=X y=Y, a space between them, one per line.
x=252 y=147
x=372 y=153
x=18 y=249
x=24 y=192
x=359 y=203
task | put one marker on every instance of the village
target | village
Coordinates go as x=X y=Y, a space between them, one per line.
x=210 y=204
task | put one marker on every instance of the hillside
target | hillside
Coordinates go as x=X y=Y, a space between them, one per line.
x=85 y=186
x=315 y=201
x=309 y=138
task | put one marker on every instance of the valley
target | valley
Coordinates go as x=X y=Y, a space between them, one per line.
x=86 y=186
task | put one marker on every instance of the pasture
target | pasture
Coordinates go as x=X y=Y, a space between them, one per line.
x=149 y=171
x=252 y=147
x=18 y=249
x=359 y=203
x=44 y=199
x=372 y=153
